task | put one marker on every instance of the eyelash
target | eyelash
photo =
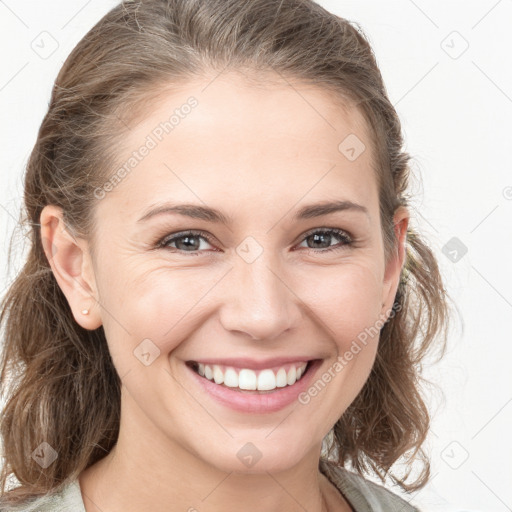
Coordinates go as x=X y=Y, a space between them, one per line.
x=342 y=235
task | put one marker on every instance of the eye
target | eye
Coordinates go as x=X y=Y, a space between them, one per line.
x=324 y=237
x=190 y=241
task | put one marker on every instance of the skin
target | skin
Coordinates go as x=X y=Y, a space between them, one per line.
x=177 y=447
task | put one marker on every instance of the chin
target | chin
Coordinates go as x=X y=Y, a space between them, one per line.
x=256 y=456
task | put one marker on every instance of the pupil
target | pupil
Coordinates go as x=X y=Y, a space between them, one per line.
x=187 y=242
x=317 y=237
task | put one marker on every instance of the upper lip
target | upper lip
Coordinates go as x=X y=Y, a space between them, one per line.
x=253 y=364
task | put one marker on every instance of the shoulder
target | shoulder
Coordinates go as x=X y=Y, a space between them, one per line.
x=364 y=495
x=69 y=499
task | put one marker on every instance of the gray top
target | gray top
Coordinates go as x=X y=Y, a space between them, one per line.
x=363 y=495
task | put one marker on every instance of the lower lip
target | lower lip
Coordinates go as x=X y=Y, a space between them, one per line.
x=257 y=403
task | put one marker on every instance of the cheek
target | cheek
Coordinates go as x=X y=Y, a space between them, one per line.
x=161 y=305
x=345 y=298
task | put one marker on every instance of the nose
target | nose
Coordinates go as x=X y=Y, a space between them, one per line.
x=258 y=302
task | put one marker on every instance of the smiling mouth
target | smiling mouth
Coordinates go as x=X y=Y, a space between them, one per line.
x=246 y=380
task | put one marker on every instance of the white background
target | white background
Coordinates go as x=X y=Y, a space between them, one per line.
x=455 y=104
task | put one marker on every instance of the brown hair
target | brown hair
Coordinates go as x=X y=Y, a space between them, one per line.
x=63 y=387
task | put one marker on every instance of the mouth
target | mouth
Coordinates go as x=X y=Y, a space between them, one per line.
x=254 y=381
x=253 y=387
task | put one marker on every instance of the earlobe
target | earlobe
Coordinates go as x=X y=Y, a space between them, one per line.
x=70 y=262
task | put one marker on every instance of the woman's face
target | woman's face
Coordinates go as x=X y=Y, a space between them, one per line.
x=265 y=284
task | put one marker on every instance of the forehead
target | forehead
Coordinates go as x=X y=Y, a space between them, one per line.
x=246 y=141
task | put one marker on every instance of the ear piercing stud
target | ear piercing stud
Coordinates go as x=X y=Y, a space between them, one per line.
x=85 y=311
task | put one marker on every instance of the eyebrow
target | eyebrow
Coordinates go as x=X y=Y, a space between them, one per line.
x=215 y=216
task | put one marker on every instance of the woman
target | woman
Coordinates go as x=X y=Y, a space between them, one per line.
x=225 y=305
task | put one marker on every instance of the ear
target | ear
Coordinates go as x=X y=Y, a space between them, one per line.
x=396 y=261
x=71 y=264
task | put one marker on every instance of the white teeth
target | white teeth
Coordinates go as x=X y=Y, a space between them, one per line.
x=231 y=378
x=218 y=376
x=281 y=380
x=265 y=380
x=292 y=376
x=247 y=379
